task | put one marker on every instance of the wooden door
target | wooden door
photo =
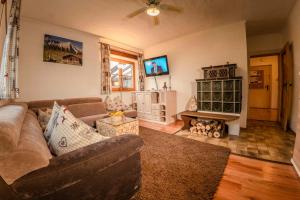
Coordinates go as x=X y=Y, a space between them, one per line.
x=260 y=86
x=287 y=67
x=147 y=103
x=140 y=102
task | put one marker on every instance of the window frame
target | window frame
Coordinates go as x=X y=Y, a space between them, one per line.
x=121 y=89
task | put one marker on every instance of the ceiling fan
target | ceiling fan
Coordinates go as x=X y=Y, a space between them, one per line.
x=153 y=9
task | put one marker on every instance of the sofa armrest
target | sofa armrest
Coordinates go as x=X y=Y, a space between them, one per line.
x=118 y=156
x=109 y=151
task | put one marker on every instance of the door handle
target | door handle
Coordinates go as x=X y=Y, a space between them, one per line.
x=267 y=87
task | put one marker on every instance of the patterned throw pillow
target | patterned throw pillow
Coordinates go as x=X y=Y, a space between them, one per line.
x=70 y=133
x=109 y=104
x=44 y=117
x=120 y=105
x=52 y=121
x=116 y=104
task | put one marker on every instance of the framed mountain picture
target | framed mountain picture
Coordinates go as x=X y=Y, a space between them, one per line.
x=62 y=50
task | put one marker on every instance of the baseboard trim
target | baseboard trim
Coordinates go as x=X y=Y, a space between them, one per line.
x=296 y=167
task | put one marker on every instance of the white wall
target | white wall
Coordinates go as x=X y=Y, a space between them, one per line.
x=265 y=44
x=189 y=53
x=293 y=35
x=43 y=80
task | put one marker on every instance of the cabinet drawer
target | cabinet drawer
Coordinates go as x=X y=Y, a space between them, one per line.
x=155 y=106
x=156 y=118
x=158 y=113
x=140 y=115
x=158 y=107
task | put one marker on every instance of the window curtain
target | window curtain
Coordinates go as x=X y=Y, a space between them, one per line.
x=141 y=72
x=10 y=56
x=105 y=69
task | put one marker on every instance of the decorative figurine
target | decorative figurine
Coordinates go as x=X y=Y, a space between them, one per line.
x=165 y=86
x=192 y=104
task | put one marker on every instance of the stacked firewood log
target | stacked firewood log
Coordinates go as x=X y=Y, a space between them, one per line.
x=210 y=128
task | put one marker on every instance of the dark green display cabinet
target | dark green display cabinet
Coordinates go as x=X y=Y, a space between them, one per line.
x=220 y=95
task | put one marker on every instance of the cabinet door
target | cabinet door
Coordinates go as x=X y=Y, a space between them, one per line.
x=140 y=102
x=147 y=103
x=162 y=97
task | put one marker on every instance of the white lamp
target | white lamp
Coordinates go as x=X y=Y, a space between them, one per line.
x=153 y=11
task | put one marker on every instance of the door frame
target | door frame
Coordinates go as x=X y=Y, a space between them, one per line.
x=278 y=54
x=287 y=47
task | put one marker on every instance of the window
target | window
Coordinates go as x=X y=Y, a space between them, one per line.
x=122 y=75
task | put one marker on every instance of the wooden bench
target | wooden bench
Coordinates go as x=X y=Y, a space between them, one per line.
x=232 y=121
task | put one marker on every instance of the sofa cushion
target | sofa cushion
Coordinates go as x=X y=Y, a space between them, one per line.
x=4 y=102
x=91 y=120
x=70 y=134
x=67 y=102
x=52 y=121
x=32 y=113
x=11 y=120
x=35 y=105
x=44 y=116
x=43 y=104
x=87 y=109
x=31 y=153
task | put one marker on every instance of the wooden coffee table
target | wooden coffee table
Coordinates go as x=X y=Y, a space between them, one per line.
x=108 y=127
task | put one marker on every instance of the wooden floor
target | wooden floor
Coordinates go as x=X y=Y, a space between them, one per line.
x=250 y=179
x=263 y=114
x=171 y=129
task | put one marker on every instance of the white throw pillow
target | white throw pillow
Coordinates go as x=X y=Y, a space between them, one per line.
x=70 y=133
x=52 y=121
x=118 y=103
x=109 y=104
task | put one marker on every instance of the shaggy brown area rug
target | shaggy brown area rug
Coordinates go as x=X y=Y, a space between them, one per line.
x=175 y=168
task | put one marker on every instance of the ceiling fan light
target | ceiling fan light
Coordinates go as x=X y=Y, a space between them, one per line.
x=153 y=11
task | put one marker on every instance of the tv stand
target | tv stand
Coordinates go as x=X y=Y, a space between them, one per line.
x=156 y=106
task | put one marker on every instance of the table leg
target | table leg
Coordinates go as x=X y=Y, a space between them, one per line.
x=187 y=122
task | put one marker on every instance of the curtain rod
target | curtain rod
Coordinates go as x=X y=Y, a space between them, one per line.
x=120 y=48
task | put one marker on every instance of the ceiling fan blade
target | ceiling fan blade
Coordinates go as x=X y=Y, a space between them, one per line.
x=156 y=20
x=137 y=12
x=170 y=8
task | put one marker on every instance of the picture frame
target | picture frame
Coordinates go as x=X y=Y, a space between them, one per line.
x=62 y=50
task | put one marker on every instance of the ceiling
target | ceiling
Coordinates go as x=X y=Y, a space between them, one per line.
x=107 y=17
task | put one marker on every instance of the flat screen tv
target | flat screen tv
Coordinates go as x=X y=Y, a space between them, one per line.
x=156 y=66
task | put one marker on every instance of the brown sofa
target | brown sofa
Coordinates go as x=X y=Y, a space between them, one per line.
x=87 y=109
x=106 y=170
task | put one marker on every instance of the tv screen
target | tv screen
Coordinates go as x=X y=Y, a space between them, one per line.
x=156 y=66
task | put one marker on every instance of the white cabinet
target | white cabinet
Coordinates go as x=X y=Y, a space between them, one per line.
x=156 y=106
x=140 y=102
x=147 y=103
